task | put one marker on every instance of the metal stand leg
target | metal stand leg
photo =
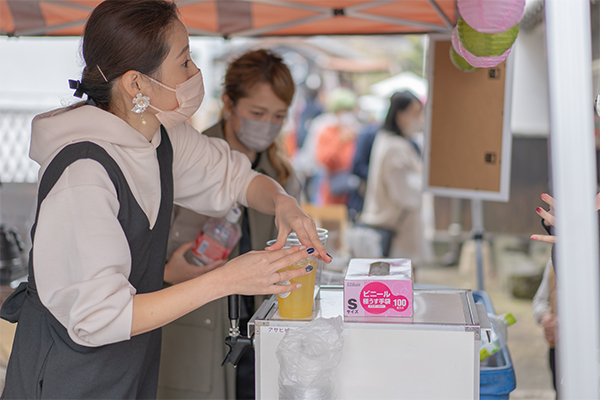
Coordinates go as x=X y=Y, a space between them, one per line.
x=454 y=229
x=477 y=234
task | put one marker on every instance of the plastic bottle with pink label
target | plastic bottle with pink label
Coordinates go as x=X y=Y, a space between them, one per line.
x=218 y=237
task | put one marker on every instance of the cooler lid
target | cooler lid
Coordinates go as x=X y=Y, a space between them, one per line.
x=432 y=308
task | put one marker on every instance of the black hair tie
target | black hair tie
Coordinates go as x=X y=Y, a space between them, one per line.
x=79 y=88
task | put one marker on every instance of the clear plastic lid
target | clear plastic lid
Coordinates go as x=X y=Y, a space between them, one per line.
x=233 y=215
x=292 y=239
x=320 y=231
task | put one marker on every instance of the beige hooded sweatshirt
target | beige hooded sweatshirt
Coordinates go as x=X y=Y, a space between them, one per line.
x=82 y=258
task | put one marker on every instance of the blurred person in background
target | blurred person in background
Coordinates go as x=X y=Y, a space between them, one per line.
x=544 y=306
x=312 y=109
x=309 y=170
x=544 y=301
x=360 y=164
x=394 y=185
x=258 y=91
x=336 y=145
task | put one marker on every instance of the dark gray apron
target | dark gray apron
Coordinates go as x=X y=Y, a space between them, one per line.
x=45 y=362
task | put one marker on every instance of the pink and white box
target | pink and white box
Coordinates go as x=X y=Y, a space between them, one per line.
x=378 y=288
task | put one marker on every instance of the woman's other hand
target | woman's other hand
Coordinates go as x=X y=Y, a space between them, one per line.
x=548 y=219
x=547 y=216
x=290 y=217
x=256 y=272
x=548 y=321
x=544 y=238
x=179 y=270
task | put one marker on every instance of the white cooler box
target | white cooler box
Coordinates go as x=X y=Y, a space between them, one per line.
x=433 y=355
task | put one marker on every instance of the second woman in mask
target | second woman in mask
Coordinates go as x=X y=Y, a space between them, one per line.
x=258 y=91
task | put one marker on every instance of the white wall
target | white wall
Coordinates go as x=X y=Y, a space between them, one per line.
x=530 y=116
x=34 y=78
x=34 y=72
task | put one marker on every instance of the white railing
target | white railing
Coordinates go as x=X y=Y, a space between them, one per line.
x=15 y=133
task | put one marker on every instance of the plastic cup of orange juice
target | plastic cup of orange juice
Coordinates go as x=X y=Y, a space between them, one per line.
x=299 y=303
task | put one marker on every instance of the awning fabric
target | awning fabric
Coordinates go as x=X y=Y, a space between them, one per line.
x=230 y=18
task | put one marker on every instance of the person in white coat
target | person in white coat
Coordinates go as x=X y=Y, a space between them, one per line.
x=394 y=184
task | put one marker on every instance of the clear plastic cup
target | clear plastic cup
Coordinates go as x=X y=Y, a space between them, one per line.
x=299 y=303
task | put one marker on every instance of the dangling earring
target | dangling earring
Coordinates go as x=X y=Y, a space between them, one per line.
x=140 y=102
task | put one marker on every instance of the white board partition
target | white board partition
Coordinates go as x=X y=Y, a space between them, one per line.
x=467 y=127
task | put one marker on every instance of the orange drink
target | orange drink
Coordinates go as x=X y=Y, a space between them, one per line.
x=299 y=303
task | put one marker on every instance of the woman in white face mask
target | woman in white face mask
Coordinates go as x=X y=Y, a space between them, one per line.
x=394 y=189
x=89 y=317
x=258 y=91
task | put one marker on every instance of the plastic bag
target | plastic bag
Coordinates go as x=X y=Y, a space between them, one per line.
x=499 y=323
x=307 y=359
x=364 y=242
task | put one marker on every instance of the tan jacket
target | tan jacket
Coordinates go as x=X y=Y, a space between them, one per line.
x=394 y=193
x=193 y=346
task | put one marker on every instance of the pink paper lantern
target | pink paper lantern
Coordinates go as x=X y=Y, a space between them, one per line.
x=491 y=16
x=477 y=62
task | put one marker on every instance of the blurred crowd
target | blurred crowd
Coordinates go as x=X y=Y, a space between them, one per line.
x=346 y=154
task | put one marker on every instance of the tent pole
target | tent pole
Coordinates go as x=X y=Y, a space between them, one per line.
x=574 y=181
x=441 y=13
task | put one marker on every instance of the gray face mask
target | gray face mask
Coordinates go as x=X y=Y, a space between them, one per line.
x=256 y=135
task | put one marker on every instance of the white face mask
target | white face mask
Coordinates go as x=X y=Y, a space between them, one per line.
x=189 y=97
x=256 y=135
x=412 y=127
